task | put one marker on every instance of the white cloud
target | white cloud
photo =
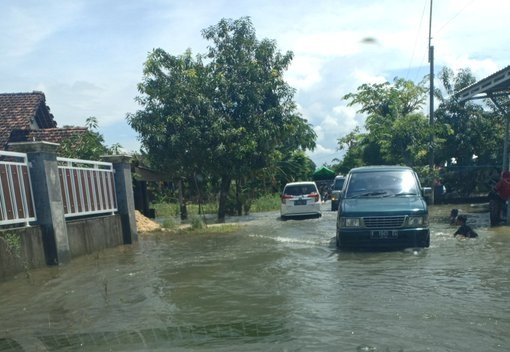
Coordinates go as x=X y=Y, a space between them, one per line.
x=368 y=77
x=87 y=55
x=26 y=28
x=324 y=155
x=304 y=72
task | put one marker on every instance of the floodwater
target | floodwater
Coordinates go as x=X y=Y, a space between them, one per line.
x=269 y=286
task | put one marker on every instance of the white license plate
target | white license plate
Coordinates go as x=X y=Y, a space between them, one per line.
x=383 y=234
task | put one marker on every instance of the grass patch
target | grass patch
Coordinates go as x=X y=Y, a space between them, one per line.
x=166 y=210
x=269 y=202
x=197 y=223
x=217 y=228
x=13 y=244
x=169 y=223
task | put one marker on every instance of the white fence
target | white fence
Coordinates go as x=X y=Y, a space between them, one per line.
x=88 y=187
x=16 y=200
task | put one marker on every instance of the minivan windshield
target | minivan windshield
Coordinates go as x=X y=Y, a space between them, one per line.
x=339 y=183
x=382 y=184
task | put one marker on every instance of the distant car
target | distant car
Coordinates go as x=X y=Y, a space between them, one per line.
x=336 y=188
x=382 y=207
x=300 y=199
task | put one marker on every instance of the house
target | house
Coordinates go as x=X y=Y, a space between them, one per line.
x=26 y=117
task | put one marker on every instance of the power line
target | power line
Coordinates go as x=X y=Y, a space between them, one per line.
x=416 y=40
x=454 y=16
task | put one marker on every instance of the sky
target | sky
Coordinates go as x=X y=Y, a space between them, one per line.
x=87 y=56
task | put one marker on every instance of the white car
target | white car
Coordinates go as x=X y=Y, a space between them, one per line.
x=300 y=199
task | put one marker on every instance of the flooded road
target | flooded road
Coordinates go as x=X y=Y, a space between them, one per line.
x=269 y=286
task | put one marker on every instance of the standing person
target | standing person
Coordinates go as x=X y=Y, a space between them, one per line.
x=439 y=191
x=499 y=197
x=464 y=230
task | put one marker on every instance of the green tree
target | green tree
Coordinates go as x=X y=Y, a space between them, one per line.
x=226 y=114
x=397 y=132
x=472 y=131
x=255 y=112
x=174 y=124
x=353 y=144
x=87 y=145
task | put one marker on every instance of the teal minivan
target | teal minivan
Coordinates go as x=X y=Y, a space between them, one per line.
x=382 y=207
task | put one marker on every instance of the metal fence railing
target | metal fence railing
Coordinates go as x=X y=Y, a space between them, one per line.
x=87 y=186
x=16 y=200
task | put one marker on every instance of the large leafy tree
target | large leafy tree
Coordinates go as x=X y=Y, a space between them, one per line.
x=174 y=124
x=87 y=145
x=397 y=132
x=472 y=131
x=353 y=144
x=228 y=113
x=256 y=117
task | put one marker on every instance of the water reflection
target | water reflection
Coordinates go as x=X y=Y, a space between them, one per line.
x=149 y=338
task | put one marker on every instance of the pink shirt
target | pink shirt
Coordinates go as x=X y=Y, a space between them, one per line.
x=503 y=188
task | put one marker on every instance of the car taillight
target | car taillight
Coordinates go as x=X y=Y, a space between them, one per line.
x=314 y=195
x=284 y=197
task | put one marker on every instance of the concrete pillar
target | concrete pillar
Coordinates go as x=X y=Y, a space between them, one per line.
x=125 y=195
x=47 y=194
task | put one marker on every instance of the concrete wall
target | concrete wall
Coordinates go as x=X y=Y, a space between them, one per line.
x=91 y=235
x=85 y=236
x=20 y=250
x=54 y=239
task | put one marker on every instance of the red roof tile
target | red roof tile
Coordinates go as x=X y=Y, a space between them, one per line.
x=23 y=115
x=54 y=135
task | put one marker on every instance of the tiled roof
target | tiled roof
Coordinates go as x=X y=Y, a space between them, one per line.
x=54 y=135
x=23 y=111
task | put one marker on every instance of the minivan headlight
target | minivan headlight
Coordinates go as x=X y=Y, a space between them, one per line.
x=350 y=222
x=417 y=221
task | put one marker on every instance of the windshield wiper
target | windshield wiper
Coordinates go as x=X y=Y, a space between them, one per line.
x=371 y=194
x=405 y=194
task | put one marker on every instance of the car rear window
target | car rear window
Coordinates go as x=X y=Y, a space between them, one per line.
x=298 y=190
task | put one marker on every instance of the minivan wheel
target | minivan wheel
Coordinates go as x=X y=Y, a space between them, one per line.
x=427 y=242
x=338 y=242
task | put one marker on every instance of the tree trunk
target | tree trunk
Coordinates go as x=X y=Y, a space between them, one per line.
x=198 y=193
x=222 y=205
x=182 y=203
x=239 y=201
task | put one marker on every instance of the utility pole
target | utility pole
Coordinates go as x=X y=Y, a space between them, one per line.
x=431 y=103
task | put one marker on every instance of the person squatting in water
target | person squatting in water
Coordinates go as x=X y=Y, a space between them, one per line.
x=464 y=229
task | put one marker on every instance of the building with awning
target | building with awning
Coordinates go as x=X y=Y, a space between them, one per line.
x=324 y=177
x=323 y=173
x=492 y=87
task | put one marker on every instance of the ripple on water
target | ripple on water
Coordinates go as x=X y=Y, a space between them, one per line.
x=272 y=285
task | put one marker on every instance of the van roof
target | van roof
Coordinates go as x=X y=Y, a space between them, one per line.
x=380 y=168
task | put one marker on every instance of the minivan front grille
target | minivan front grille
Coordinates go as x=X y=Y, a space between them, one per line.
x=384 y=221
